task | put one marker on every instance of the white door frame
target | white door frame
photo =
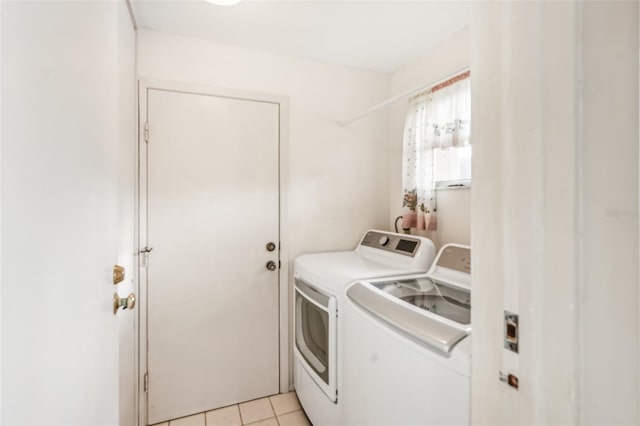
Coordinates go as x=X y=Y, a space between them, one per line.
x=144 y=85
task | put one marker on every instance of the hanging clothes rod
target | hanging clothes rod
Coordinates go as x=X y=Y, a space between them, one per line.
x=403 y=95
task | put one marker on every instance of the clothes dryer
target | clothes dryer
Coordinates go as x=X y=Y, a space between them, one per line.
x=319 y=290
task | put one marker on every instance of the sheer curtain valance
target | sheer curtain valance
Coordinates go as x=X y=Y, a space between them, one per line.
x=438 y=118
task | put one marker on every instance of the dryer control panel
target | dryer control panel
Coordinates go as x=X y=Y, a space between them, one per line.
x=390 y=242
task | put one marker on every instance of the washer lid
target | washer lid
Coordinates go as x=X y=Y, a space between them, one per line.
x=426 y=327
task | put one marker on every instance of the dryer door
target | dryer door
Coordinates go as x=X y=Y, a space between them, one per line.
x=315 y=335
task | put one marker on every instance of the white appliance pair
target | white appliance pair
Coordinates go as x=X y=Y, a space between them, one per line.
x=375 y=338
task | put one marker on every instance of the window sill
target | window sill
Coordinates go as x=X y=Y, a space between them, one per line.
x=453 y=185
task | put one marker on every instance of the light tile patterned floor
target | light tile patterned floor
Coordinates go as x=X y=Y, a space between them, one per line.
x=276 y=410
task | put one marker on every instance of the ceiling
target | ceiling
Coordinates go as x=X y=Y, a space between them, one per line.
x=375 y=35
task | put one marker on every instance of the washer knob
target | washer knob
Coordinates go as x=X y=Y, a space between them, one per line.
x=383 y=240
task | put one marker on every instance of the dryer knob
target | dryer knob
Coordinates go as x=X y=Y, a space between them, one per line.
x=383 y=240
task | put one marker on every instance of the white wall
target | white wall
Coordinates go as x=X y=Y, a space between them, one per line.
x=454 y=217
x=1 y=118
x=448 y=57
x=64 y=120
x=609 y=347
x=555 y=126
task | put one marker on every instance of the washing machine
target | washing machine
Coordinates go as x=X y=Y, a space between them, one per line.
x=320 y=280
x=407 y=346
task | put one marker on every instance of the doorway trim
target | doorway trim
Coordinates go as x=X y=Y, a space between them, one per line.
x=144 y=85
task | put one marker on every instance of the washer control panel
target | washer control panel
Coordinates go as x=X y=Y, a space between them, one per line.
x=456 y=258
x=394 y=243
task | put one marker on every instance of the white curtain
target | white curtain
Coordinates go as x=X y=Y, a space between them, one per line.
x=436 y=119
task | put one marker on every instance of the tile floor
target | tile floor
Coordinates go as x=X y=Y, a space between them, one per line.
x=277 y=410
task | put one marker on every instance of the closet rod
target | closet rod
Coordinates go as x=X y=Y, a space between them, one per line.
x=403 y=95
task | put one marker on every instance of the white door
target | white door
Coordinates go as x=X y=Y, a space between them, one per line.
x=212 y=208
x=62 y=64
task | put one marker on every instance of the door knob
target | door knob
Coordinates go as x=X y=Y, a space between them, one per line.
x=271 y=265
x=128 y=302
x=271 y=246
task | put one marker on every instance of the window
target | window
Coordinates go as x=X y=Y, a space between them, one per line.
x=452 y=166
x=437 y=145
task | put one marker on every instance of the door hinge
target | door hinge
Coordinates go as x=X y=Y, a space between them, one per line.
x=146 y=131
x=279 y=265
x=146 y=382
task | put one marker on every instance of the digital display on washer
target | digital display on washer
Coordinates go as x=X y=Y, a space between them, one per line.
x=406 y=246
